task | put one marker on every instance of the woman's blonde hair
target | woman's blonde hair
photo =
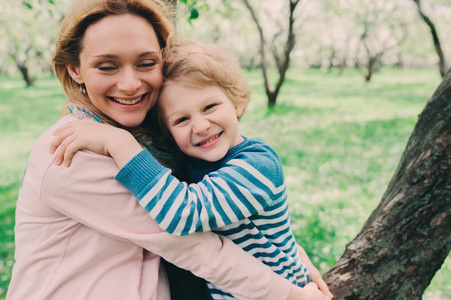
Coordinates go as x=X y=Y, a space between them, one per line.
x=84 y=13
x=196 y=64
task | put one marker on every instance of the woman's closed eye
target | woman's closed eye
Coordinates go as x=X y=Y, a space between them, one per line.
x=106 y=67
x=147 y=64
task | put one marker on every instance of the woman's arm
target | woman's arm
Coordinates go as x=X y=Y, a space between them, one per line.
x=315 y=275
x=224 y=264
x=88 y=193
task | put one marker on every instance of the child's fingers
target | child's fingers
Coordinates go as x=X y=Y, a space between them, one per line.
x=65 y=126
x=58 y=139
x=61 y=150
x=69 y=153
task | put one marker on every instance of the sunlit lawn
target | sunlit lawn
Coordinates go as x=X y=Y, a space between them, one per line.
x=339 y=139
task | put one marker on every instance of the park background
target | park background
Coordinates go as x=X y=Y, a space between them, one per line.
x=360 y=72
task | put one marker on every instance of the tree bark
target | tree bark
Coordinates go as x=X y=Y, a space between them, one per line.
x=408 y=236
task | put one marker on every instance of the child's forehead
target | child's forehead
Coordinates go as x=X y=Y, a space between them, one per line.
x=192 y=86
x=177 y=92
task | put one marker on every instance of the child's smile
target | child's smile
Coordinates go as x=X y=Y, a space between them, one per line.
x=203 y=121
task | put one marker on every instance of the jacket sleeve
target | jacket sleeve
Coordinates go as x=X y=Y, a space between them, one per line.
x=243 y=187
x=87 y=193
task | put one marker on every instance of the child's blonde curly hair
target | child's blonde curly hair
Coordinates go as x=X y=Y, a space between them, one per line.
x=195 y=64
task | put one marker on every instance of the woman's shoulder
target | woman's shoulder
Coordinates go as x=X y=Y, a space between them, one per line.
x=41 y=157
x=47 y=136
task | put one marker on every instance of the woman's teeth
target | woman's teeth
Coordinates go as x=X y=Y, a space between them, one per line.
x=127 y=102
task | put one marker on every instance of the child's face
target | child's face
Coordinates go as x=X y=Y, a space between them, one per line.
x=203 y=121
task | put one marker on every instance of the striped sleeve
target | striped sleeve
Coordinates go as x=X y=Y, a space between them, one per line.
x=234 y=192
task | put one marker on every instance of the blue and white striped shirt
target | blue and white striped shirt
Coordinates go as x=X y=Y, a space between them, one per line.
x=242 y=196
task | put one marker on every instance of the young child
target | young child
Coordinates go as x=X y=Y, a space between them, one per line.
x=238 y=187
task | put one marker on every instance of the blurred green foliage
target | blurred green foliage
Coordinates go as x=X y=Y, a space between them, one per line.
x=339 y=139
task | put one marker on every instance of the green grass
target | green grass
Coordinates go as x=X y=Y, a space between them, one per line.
x=339 y=139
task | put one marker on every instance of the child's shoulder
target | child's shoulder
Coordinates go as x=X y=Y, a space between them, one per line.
x=258 y=154
x=258 y=147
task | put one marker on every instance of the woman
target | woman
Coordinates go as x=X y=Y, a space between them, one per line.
x=80 y=234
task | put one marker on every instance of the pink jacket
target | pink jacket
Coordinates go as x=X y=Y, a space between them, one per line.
x=80 y=235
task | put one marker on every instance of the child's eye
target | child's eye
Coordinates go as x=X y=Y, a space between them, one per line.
x=180 y=120
x=210 y=106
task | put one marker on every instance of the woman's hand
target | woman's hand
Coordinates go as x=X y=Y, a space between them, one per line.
x=315 y=275
x=308 y=292
x=90 y=135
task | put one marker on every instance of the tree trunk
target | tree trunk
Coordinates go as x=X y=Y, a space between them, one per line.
x=25 y=74
x=408 y=236
x=22 y=66
x=282 y=62
x=436 y=40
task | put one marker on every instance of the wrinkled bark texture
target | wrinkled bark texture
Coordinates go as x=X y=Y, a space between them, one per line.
x=408 y=236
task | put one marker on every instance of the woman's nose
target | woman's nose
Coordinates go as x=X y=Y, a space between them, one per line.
x=201 y=125
x=129 y=82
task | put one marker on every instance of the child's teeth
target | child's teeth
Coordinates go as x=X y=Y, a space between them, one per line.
x=213 y=138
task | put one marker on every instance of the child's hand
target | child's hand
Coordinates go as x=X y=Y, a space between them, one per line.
x=86 y=134
x=315 y=275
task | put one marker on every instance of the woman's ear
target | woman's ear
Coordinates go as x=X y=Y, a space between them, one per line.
x=74 y=72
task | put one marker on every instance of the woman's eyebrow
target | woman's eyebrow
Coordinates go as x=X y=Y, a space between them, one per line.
x=149 y=53
x=116 y=56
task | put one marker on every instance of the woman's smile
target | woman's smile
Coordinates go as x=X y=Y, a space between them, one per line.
x=127 y=101
x=121 y=68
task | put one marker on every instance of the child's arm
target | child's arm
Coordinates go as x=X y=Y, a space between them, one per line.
x=233 y=193
x=245 y=186
x=91 y=135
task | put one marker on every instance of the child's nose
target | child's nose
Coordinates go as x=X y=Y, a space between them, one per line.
x=201 y=125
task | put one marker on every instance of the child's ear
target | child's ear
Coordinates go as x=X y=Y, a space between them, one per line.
x=239 y=109
x=74 y=72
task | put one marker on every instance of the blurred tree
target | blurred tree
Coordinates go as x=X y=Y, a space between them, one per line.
x=435 y=38
x=379 y=28
x=408 y=236
x=28 y=35
x=193 y=7
x=282 y=59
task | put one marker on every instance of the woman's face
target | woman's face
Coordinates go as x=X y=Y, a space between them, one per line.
x=121 y=67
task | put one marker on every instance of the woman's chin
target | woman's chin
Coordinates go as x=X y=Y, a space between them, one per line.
x=131 y=122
